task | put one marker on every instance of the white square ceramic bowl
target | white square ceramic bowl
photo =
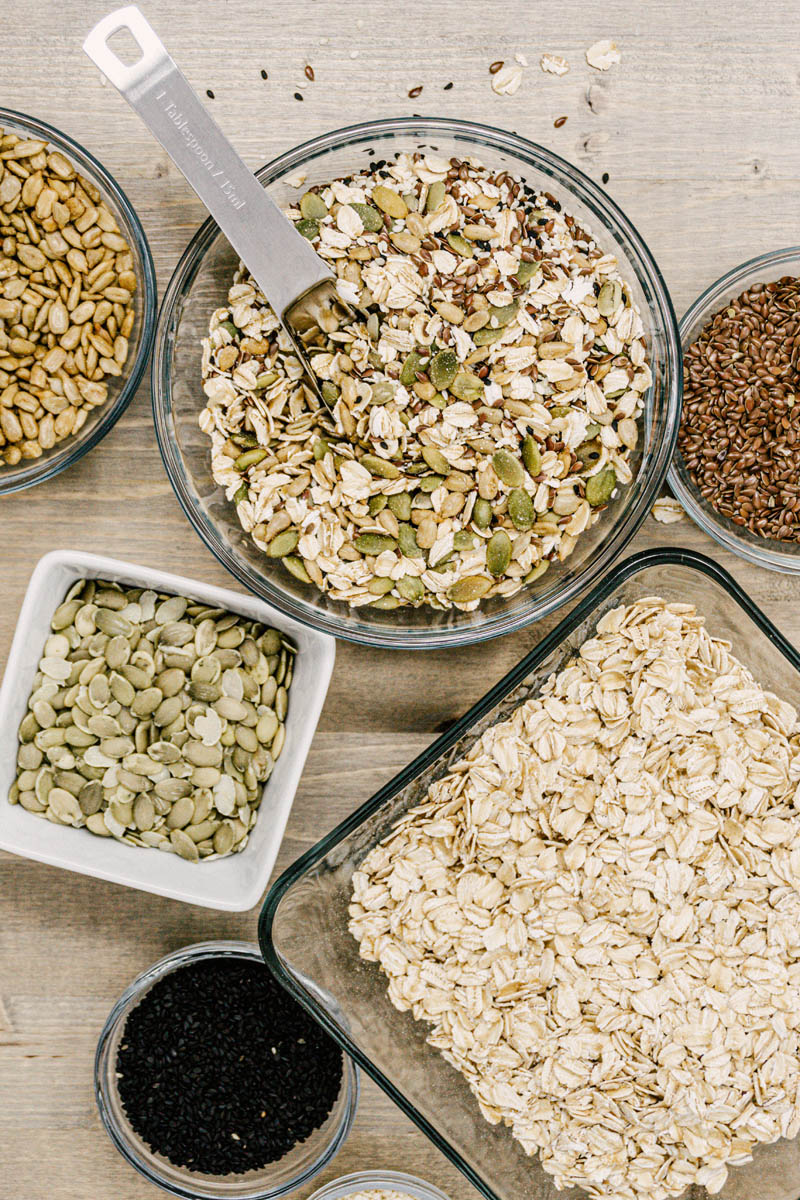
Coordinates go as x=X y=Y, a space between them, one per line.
x=235 y=883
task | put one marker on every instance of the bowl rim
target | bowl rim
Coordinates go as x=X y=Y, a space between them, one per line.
x=136 y=989
x=375 y=1177
x=765 y=553
x=618 y=575
x=75 y=448
x=422 y=638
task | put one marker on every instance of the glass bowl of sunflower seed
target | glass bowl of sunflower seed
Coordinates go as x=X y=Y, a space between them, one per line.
x=77 y=301
x=497 y=417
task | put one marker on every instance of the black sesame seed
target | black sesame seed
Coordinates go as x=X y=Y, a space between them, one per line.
x=447 y=86
x=264 y=74
x=606 y=177
x=221 y=1071
x=209 y=93
x=298 y=95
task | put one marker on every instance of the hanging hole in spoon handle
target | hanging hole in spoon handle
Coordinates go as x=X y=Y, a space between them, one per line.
x=283 y=264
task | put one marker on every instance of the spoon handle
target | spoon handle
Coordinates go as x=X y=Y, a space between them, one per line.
x=282 y=262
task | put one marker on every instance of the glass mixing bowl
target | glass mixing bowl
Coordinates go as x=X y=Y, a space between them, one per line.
x=199 y=286
x=296 y=1168
x=120 y=390
x=765 y=552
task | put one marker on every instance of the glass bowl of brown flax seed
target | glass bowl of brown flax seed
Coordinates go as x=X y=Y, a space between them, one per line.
x=736 y=468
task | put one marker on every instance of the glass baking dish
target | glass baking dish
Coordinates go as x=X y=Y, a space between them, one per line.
x=303 y=927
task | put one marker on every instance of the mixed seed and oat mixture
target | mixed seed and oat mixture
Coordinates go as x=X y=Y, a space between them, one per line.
x=598 y=912
x=154 y=720
x=67 y=282
x=484 y=412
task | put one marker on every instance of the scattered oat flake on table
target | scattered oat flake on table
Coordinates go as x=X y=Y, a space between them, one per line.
x=507 y=80
x=603 y=55
x=297 y=180
x=554 y=64
x=521 y=59
x=668 y=511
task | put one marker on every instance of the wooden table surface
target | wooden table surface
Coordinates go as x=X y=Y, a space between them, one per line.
x=697 y=131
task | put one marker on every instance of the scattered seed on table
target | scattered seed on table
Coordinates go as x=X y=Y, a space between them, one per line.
x=496 y=66
x=209 y=93
x=264 y=73
x=415 y=91
x=740 y=425
x=559 y=121
x=605 y=177
x=309 y=72
x=298 y=95
x=221 y=1071
x=447 y=86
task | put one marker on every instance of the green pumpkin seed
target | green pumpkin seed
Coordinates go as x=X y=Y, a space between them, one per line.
x=411 y=365
x=307 y=229
x=498 y=552
x=313 y=207
x=472 y=587
x=241 y=493
x=380 y=585
x=599 y=487
x=429 y=483
x=520 y=509
x=436 y=194
x=531 y=455
x=463 y=540
x=537 y=571
x=527 y=271
x=376 y=504
x=250 y=458
x=508 y=469
x=400 y=505
x=442 y=371
x=371 y=219
x=435 y=460
x=389 y=202
x=383 y=391
x=460 y=245
x=320 y=449
x=283 y=543
x=385 y=602
x=296 y=567
x=504 y=314
x=330 y=392
x=380 y=466
x=374 y=543
x=407 y=542
x=411 y=588
x=485 y=336
x=467 y=386
x=482 y=513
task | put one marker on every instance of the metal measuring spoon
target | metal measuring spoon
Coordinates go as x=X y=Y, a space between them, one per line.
x=299 y=286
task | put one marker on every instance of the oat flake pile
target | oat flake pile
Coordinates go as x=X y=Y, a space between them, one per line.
x=597 y=912
x=483 y=418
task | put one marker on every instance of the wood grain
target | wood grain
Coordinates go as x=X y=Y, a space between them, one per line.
x=696 y=130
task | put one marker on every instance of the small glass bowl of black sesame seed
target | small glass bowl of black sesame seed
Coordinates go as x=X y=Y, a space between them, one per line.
x=215 y=1084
